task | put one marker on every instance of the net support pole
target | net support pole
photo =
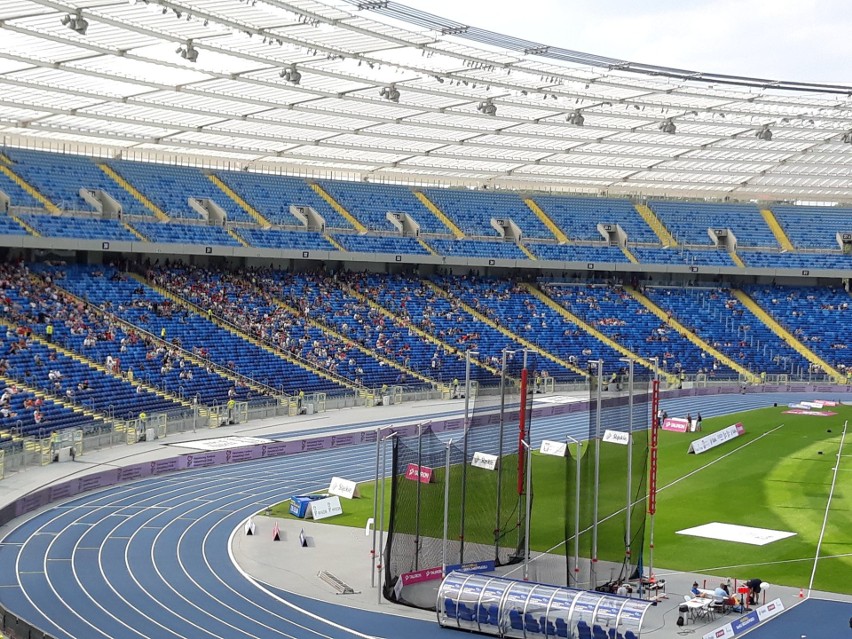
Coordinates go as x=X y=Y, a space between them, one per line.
x=528 y=508
x=417 y=509
x=375 y=508
x=628 y=533
x=576 y=512
x=523 y=437
x=500 y=432
x=380 y=565
x=444 y=546
x=652 y=479
x=596 y=490
x=467 y=355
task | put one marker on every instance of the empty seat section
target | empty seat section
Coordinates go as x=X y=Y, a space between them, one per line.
x=513 y=307
x=170 y=187
x=278 y=239
x=681 y=256
x=472 y=211
x=370 y=204
x=60 y=176
x=813 y=226
x=688 y=222
x=8 y=226
x=620 y=317
x=447 y=321
x=175 y=233
x=478 y=248
x=249 y=302
x=574 y=253
x=18 y=416
x=817 y=317
x=836 y=260
x=273 y=195
x=152 y=312
x=370 y=244
x=17 y=195
x=84 y=228
x=579 y=217
x=326 y=299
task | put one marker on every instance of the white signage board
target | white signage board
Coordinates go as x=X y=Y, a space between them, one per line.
x=716 y=439
x=550 y=447
x=343 y=488
x=484 y=460
x=328 y=507
x=616 y=437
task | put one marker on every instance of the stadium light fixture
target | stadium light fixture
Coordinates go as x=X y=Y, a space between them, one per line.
x=390 y=93
x=188 y=52
x=487 y=107
x=765 y=133
x=668 y=126
x=76 y=22
x=291 y=74
x=576 y=118
x=847 y=137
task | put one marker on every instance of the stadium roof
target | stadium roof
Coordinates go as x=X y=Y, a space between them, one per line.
x=375 y=90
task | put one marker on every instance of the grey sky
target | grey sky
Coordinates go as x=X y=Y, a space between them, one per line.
x=800 y=40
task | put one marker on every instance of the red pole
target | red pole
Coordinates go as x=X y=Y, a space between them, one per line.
x=522 y=432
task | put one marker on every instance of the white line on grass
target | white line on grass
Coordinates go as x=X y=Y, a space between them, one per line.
x=827 y=508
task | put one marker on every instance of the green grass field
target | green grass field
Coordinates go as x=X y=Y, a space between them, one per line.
x=772 y=477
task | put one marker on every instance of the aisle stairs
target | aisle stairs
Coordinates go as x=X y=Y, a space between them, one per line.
x=558 y=233
x=446 y=221
x=127 y=186
x=787 y=336
x=29 y=188
x=651 y=219
x=692 y=337
x=775 y=226
x=338 y=207
x=256 y=215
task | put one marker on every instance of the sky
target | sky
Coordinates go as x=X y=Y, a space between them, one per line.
x=794 y=40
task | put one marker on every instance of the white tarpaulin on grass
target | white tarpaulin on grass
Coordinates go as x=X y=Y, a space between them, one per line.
x=737 y=534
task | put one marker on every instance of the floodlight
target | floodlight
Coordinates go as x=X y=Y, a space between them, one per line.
x=487 y=107
x=764 y=133
x=188 y=52
x=576 y=118
x=668 y=127
x=847 y=137
x=291 y=75
x=390 y=92
x=76 y=22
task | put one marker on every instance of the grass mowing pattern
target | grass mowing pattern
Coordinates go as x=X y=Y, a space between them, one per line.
x=778 y=481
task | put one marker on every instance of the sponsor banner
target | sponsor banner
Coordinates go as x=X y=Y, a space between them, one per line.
x=675 y=424
x=812 y=413
x=424 y=476
x=343 y=488
x=747 y=621
x=616 y=437
x=798 y=405
x=325 y=508
x=419 y=576
x=770 y=610
x=825 y=402
x=725 y=632
x=484 y=460
x=716 y=439
x=478 y=566
x=550 y=447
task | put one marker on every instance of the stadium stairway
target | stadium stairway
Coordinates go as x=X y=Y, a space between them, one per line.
x=29 y=229
x=429 y=204
x=187 y=355
x=736 y=259
x=524 y=342
x=692 y=337
x=526 y=251
x=786 y=336
x=156 y=210
x=237 y=237
x=59 y=401
x=426 y=246
x=5 y=159
x=29 y=188
x=591 y=330
x=134 y=231
x=413 y=329
x=338 y=207
x=364 y=349
x=334 y=242
x=256 y=215
x=100 y=367
x=629 y=255
x=775 y=226
x=651 y=219
x=296 y=361
x=546 y=220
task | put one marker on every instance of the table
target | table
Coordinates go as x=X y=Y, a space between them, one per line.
x=698 y=607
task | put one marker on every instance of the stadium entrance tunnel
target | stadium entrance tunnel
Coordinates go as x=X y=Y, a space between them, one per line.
x=510 y=608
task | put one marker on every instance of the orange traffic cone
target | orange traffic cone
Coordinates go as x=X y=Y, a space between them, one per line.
x=801 y=593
